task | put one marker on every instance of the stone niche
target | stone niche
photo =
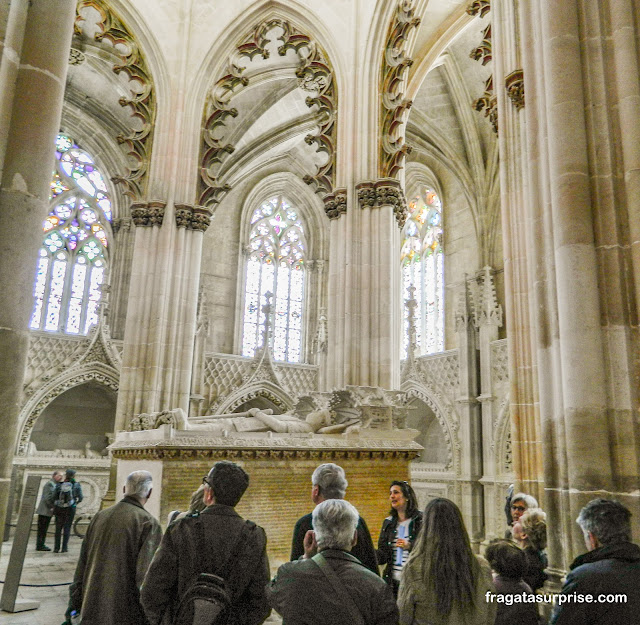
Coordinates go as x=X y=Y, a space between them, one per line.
x=279 y=467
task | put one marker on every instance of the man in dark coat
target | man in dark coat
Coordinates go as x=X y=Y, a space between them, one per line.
x=329 y=482
x=236 y=549
x=331 y=586
x=45 y=510
x=114 y=559
x=610 y=568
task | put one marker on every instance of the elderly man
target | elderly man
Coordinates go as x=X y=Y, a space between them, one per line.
x=45 y=510
x=217 y=541
x=329 y=482
x=114 y=558
x=610 y=568
x=331 y=586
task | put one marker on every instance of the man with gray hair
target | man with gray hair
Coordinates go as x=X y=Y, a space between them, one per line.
x=115 y=555
x=603 y=585
x=329 y=585
x=329 y=482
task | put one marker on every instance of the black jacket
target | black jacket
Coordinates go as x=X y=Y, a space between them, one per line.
x=302 y=594
x=537 y=562
x=609 y=570
x=179 y=561
x=363 y=549
x=388 y=537
x=519 y=613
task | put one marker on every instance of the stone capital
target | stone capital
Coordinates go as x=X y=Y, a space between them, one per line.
x=383 y=192
x=335 y=204
x=148 y=213
x=193 y=217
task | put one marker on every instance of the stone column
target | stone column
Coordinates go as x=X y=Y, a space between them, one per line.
x=470 y=432
x=39 y=68
x=161 y=317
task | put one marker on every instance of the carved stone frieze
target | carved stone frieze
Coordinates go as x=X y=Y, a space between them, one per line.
x=335 y=204
x=483 y=52
x=148 y=213
x=394 y=106
x=385 y=192
x=193 y=217
x=479 y=7
x=315 y=75
x=488 y=102
x=514 y=83
x=142 y=101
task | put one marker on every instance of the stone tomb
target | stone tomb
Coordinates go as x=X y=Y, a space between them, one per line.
x=279 y=465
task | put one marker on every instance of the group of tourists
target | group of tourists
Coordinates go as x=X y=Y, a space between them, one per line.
x=211 y=566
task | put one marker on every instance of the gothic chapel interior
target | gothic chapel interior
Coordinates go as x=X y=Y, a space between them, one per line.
x=439 y=197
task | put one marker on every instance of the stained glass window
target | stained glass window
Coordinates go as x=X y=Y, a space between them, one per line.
x=72 y=260
x=422 y=259
x=276 y=264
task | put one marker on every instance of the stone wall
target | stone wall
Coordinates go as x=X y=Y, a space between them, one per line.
x=280 y=490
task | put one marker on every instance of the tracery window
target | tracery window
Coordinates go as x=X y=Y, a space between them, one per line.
x=72 y=261
x=422 y=259
x=276 y=264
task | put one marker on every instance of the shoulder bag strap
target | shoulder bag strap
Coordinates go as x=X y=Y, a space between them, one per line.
x=341 y=593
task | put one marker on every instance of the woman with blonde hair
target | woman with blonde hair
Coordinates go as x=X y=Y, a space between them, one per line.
x=443 y=582
x=530 y=532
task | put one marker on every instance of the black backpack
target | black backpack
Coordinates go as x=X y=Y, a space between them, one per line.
x=208 y=600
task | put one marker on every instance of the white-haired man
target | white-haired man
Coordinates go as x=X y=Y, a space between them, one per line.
x=329 y=482
x=114 y=559
x=329 y=585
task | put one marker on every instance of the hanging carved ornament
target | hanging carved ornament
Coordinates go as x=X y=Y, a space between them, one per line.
x=394 y=107
x=335 y=204
x=488 y=102
x=148 y=213
x=483 y=52
x=193 y=217
x=385 y=192
x=142 y=103
x=314 y=74
x=76 y=57
x=479 y=7
x=514 y=83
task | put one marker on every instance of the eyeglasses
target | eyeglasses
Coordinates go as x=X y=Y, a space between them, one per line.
x=519 y=508
x=205 y=481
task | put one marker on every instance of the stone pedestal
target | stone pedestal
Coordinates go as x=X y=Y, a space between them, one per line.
x=279 y=466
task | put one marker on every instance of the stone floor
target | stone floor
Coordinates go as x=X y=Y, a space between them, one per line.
x=42 y=567
x=45 y=567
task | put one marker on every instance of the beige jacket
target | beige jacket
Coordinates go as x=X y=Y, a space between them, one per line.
x=417 y=602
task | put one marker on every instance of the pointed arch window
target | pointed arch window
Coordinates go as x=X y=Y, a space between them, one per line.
x=277 y=252
x=72 y=261
x=422 y=259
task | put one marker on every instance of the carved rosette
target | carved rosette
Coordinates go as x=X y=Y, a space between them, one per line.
x=142 y=104
x=394 y=107
x=314 y=74
x=148 y=213
x=335 y=204
x=483 y=52
x=193 y=217
x=479 y=7
x=488 y=102
x=514 y=83
x=385 y=192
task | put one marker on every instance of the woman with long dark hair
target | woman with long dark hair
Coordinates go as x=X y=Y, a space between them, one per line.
x=399 y=532
x=443 y=582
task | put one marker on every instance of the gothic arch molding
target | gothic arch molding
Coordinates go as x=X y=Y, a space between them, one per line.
x=93 y=372
x=502 y=441
x=446 y=416
x=267 y=390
